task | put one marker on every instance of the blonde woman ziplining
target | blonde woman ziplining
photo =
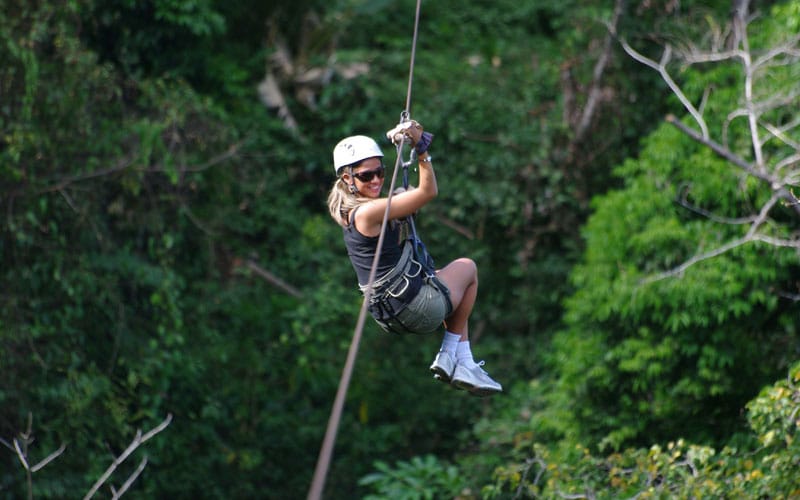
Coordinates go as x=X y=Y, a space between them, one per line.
x=405 y=298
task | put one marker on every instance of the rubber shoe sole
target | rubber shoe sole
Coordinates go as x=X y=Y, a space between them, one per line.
x=443 y=367
x=476 y=381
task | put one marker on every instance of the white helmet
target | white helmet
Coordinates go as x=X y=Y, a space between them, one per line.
x=353 y=149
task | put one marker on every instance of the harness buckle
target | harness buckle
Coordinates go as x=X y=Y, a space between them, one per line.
x=397 y=294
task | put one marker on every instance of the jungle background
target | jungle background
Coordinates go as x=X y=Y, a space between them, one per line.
x=621 y=172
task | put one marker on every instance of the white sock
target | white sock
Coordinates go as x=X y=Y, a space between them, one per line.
x=449 y=342
x=464 y=354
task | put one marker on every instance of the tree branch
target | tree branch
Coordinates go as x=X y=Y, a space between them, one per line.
x=789 y=160
x=720 y=150
x=121 y=165
x=752 y=235
x=253 y=266
x=133 y=477
x=795 y=297
x=597 y=75
x=693 y=56
x=776 y=184
x=788 y=48
x=124 y=163
x=7 y=444
x=780 y=134
x=661 y=67
x=49 y=458
x=137 y=441
x=21 y=455
x=684 y=202
x=459 y=228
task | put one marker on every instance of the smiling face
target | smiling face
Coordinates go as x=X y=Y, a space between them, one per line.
x=368 y=177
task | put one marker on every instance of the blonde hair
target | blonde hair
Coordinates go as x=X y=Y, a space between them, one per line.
x=341 y=202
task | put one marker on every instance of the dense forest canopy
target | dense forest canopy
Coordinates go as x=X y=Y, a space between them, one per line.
x=174 y=292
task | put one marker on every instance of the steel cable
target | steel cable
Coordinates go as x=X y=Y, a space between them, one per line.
x=326 y=451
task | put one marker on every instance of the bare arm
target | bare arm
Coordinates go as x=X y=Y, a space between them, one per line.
x=369 y=217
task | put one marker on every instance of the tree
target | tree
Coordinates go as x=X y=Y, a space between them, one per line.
x=662 y=340
x=678 y=469
x=771 y=131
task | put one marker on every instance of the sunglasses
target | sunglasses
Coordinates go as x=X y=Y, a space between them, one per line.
x=368 y=175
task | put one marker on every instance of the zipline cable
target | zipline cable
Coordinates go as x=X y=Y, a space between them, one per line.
x=324 y=459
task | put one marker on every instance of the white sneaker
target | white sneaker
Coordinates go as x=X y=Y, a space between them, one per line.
x=475 y=380
x=443 y=366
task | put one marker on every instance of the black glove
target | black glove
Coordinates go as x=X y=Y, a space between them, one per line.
x=424 y=142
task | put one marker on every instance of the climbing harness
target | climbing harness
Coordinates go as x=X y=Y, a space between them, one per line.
x=409 y=298
x=323 y=461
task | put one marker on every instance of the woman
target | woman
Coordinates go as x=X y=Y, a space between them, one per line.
x=404 y=299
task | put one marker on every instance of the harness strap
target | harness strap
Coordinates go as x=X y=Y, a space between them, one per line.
x=405 y=261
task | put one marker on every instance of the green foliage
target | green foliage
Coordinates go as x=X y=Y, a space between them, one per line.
x=154 y=213
x=131 y=33
x=678 y=470
x=420 y=478
x=664 y=337
x=655 y=355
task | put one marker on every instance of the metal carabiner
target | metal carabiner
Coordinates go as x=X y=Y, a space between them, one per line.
x=404 y=117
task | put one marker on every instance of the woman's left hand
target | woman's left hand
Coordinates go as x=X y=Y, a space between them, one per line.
x=410 y=130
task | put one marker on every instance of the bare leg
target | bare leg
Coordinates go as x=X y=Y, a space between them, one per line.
x=461 y=277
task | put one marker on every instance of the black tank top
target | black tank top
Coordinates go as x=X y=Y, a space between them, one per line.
x=361 y=249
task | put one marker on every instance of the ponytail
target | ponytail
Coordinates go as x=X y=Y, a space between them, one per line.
x=341 y=202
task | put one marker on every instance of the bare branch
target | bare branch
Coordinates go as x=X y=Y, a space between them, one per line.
x=121 y=165
x=455 y=226
x=749 y=70
x=7 y=444
x=253 y=266
x=762 y=214
x=777 y=242
x=788 y=161
x=21 y=455
x=795 y=297
x=124 y=163
x=775 y=102
x=155 y=430
x=679 y=270
x=137 y=441
x=695 y=56
x=131 y=479
x=231 y=152
x=49 y=458
x=597 y=75
x=661 y=67
x=740 y=19
x=68 y=199
x=776 y=184
x=779 y=133
x=199 y=224
x=752 y=235
x=684 y=202
x=722 y=151
x=788 y=48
